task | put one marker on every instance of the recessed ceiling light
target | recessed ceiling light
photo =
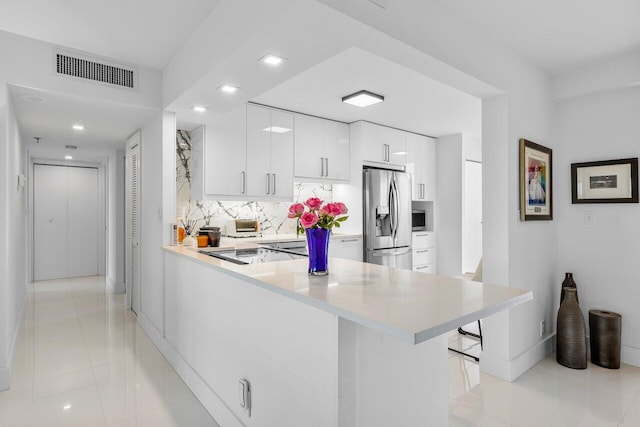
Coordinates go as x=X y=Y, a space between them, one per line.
x=199 y=109
x=228 y=88
x=68 y=157
x=363 y=98
x=77 y=127
x=276 y=129
x=271 y=59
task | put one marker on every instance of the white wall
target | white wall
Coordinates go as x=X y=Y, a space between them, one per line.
x=115 y=221
x=13 y=263
x=602 y=254
x=157 y=211
x=448 y=206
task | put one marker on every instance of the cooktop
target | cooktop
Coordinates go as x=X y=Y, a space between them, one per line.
x=253 y=256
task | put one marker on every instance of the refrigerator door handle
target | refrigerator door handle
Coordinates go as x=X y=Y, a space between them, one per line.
x=396 y=208
x=392 y=210
x=388 y=252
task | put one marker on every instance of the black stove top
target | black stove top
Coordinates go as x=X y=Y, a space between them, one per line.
x=253 y=256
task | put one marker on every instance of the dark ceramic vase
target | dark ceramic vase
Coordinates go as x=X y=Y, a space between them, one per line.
x=568 y=282
x=571 y=342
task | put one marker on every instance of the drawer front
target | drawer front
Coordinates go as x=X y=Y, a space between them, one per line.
x=428 y=268
x=424 y=256
x=346 y=247
x=423 y=239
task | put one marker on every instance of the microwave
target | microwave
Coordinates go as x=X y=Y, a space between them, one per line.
x=418 y=220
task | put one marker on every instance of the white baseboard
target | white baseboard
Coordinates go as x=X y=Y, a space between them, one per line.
x=209 y=398
x=7 y=371
x=115 y=287
x=510 y=370
x=630 y=355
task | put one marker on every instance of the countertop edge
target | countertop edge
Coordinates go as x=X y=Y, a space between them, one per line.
x=409 y=337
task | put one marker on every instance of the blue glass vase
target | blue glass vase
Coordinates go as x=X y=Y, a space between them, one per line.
x=318 y=248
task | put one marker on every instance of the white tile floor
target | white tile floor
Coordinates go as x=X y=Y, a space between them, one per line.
x=83 y=361
x=548 y=395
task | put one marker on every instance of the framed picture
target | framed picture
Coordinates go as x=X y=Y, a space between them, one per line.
x=607 y=181
x=535 y=182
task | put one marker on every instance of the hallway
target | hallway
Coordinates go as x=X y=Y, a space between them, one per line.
x=82 y=360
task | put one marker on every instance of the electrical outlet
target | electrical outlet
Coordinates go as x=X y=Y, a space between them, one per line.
x=542 y=328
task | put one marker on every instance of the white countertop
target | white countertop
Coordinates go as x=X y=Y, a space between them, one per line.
x=411 y=306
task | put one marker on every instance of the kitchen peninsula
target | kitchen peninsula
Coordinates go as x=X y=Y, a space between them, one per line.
x=363 y=346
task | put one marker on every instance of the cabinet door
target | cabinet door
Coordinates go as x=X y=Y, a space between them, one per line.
x=281 y=154
x=429 y=191
x=336 y=150
x=383 y=144
x=258 y=151
x=225 y=155
x=308 y=146
x=415 y=163
x=346 y=247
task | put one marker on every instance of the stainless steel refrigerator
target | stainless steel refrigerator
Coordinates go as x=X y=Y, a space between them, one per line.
x=387 y=217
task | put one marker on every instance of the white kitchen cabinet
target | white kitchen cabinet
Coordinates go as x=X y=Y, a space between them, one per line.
x=383 y=144
x=421 y=165
x=348 y=247
x=321 y=148
x=269 y=153
x=424 y=251
x=224 y=156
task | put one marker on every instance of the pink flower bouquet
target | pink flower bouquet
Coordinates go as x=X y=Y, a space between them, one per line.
x=318 y=215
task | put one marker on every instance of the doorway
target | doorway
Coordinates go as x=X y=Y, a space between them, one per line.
x=472 y=216
x=66 y=221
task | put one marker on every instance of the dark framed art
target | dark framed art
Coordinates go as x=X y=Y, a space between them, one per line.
x=606 y=181
x=536 y=202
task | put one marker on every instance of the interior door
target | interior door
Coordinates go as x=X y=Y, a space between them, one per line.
x=82 y=214
x=472 y=216
x=133 y=221
x=65 y=222
x=49 y=222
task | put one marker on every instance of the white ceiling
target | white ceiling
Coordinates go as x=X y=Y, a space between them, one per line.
x=412 y=101
x=106 y=124
x=554 y=35
x=144 y=32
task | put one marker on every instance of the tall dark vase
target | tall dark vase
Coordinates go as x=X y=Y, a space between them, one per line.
x=571 y=342
x=568 y=282
x=318 y=249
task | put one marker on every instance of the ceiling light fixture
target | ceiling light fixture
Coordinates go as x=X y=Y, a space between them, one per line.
x=77 y=127
x=228 y=88
x=68 y=157
x=276 y=129
x=363 y=98
x=200 y=109
x=273 y=60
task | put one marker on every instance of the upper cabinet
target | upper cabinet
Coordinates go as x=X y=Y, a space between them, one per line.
x=321 y=148
x=269 y=153
x=247 y=154
x=225 y=157
x=421 y=164
x=383 y=144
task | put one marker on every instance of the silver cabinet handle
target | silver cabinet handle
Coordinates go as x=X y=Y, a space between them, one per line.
x=422 y=267
x=244 y=182
x=348 y=240
x=422 y=191
x=268 y=183
x=422 y=235
x=274 y=184
x=326 y=168
x=422 y=251
x=321 y=166
x=384 y=152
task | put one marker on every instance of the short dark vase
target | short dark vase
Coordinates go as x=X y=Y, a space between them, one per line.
x=571 y=342
x=318 y=248
x=568 y=282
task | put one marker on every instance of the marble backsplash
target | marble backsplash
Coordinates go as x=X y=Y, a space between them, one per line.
x=272 y=215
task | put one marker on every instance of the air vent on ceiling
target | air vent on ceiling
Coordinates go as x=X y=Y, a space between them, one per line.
x=85 y=67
